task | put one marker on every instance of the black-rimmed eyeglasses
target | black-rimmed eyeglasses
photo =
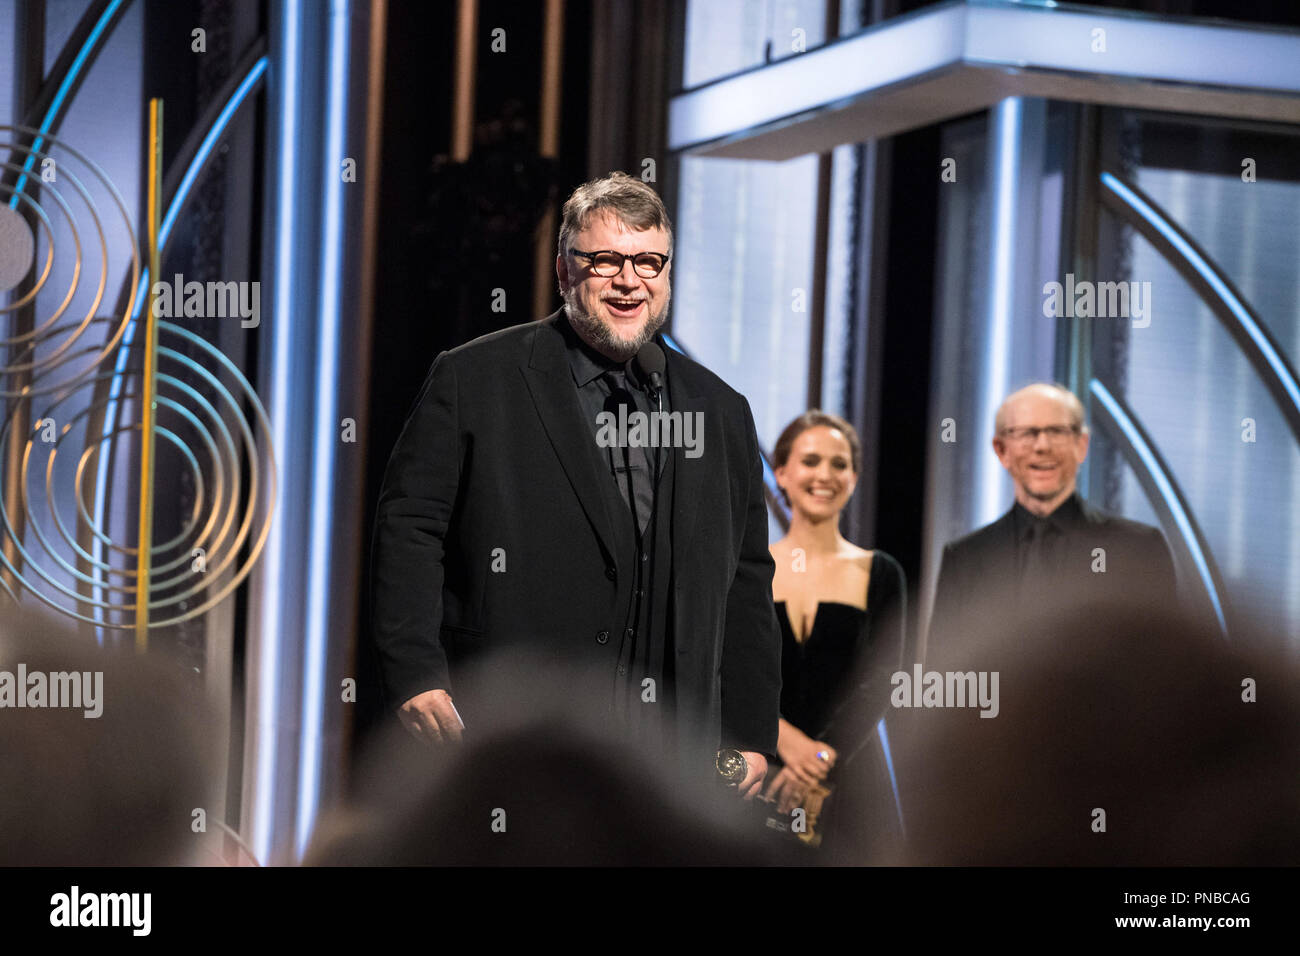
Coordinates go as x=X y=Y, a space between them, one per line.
x=607 y=263
x=1056 y=434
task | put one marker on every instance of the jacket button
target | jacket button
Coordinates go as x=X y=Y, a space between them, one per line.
x=628 y=633
x=611 y=573
x=602 y=637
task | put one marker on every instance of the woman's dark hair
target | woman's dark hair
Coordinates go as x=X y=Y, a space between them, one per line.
x=814 y=418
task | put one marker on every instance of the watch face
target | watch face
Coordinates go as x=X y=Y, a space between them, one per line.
x=731 y=765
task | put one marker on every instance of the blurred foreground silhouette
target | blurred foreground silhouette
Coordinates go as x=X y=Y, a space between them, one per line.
x=114 y=790
x=1133 y=711
x=539 y=781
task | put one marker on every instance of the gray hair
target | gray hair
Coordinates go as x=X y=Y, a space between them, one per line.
x=629 y=199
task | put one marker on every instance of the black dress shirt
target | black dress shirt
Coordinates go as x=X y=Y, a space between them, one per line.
x=1053 y=552
x=603 y=385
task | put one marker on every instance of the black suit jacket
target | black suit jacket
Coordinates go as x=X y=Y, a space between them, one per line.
x=497 y=455
x=978 y=586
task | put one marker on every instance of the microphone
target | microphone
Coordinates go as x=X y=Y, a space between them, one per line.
x=649 y=364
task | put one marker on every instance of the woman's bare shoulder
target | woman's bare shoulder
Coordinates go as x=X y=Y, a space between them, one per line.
x=862 y=557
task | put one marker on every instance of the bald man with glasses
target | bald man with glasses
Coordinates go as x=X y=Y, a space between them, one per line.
x=1051 y=552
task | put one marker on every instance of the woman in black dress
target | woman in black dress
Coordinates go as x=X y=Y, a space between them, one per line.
x=842 y=615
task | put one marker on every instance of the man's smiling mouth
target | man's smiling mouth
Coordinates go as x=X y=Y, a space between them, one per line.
x=624 y=306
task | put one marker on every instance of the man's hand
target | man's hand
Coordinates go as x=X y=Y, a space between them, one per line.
x=432 y=717
x=800 y=754
x=756 y=765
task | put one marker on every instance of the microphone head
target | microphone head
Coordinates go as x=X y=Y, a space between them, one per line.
x=650 y=361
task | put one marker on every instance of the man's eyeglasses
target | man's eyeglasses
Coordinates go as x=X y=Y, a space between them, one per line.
x=608 y=263
x=1056 y=434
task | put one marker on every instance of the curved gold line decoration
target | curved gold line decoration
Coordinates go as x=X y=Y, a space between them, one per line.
x=191 y=397
x=48 y=336
x=230 y=537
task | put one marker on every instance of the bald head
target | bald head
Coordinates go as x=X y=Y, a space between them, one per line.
x=1043 y=391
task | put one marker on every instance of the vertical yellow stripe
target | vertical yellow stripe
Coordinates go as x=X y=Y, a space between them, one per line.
x=148 y=386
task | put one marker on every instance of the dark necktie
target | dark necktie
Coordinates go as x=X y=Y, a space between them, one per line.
x=1040 y=574
x=630 y=465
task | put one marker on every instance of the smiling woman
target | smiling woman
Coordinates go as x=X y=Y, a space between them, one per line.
x=841 y=613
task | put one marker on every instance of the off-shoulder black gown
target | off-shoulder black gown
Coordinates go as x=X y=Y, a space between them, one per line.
x=835 y=687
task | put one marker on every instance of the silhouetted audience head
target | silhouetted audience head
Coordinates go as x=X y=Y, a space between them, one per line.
x=1123 y=736
x=113 y=780
x=536 y=783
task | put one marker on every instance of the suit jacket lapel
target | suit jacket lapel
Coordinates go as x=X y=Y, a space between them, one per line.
x=550 y=383
x=1004 y=532
x=987 y=568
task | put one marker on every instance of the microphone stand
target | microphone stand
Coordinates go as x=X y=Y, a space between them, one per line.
x=651 y=533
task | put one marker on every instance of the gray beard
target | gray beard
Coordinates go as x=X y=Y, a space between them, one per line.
x=598 y=335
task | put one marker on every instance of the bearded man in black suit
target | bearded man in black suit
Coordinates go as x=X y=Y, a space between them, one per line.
x=513 y=519
x=1051 y=552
